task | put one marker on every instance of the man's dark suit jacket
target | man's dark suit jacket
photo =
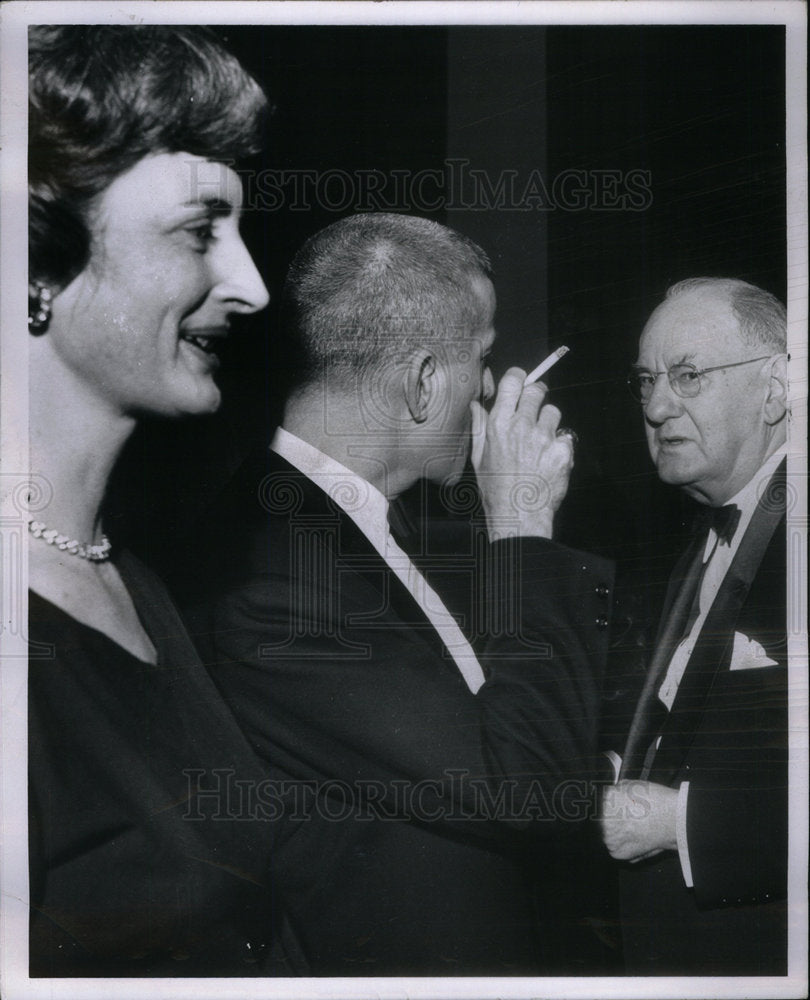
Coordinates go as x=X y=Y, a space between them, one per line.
x=412 y=803
x=727 y=736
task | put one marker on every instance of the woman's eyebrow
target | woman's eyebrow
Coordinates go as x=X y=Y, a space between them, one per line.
x=217 y=206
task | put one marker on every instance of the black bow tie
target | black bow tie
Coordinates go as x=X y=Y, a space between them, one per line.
x=724 y=520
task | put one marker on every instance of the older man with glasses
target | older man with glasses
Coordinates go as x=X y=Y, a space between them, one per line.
x=698 y=814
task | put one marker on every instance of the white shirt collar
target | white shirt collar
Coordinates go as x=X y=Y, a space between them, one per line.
x=363 y=503
x=368 y=508
x=748 y=498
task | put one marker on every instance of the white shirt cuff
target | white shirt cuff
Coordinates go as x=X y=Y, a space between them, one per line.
x=615 y=763
x=680 y=834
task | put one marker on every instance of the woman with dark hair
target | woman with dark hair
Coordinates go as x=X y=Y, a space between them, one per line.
x=142 y=860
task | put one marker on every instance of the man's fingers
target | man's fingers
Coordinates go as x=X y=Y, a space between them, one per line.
x=549 y=420
x=509 y=389
x=531 y=399
x=479 y=432
x=564 y=446
x=514 y=396
x=519 y=445
x=616 y=843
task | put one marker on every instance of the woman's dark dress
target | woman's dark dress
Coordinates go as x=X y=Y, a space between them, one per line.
x=132 y=873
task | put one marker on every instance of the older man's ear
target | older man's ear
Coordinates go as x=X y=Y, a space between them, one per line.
x=776 y=399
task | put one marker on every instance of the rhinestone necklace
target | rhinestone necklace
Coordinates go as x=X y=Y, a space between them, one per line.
x=92 y=553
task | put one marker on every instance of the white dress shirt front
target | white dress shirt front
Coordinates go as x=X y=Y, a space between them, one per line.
x=717 y=557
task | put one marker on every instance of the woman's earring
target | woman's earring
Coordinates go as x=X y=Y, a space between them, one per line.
x=39 y=308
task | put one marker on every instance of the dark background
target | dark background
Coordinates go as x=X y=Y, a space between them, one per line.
x=702 y=109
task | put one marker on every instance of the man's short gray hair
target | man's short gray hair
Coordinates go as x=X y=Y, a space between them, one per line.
x=762 y=317
x=376 y=283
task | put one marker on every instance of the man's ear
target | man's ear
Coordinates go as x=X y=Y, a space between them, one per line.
x=420 y=383
x=776 y=399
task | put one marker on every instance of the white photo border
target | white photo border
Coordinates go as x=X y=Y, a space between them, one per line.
x=15 y=16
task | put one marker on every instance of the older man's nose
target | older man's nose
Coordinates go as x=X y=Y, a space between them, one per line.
x=663 y=402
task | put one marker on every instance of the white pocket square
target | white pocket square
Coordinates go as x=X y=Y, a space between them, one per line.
x=748 y=654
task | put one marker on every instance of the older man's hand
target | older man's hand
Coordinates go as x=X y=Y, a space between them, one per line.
x=522 y=467
x=638 y=819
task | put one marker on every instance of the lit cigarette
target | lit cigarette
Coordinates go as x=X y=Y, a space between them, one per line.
x=544 y=366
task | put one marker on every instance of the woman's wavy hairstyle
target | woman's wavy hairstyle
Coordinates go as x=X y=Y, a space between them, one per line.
x=100 y=99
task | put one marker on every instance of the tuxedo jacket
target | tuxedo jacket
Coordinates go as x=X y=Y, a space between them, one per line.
x=726 y=734
x=410 y=805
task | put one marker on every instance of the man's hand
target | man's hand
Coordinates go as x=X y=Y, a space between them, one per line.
x=522 y=467
x=638 y=820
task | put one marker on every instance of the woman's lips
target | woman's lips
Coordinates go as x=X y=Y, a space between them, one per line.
x=206 y=338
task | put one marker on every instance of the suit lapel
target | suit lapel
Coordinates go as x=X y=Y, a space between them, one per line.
x=713 y=649
x=312 y=510
x=677 y=603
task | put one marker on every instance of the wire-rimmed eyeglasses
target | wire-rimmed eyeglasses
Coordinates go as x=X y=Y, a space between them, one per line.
x=684 y=379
